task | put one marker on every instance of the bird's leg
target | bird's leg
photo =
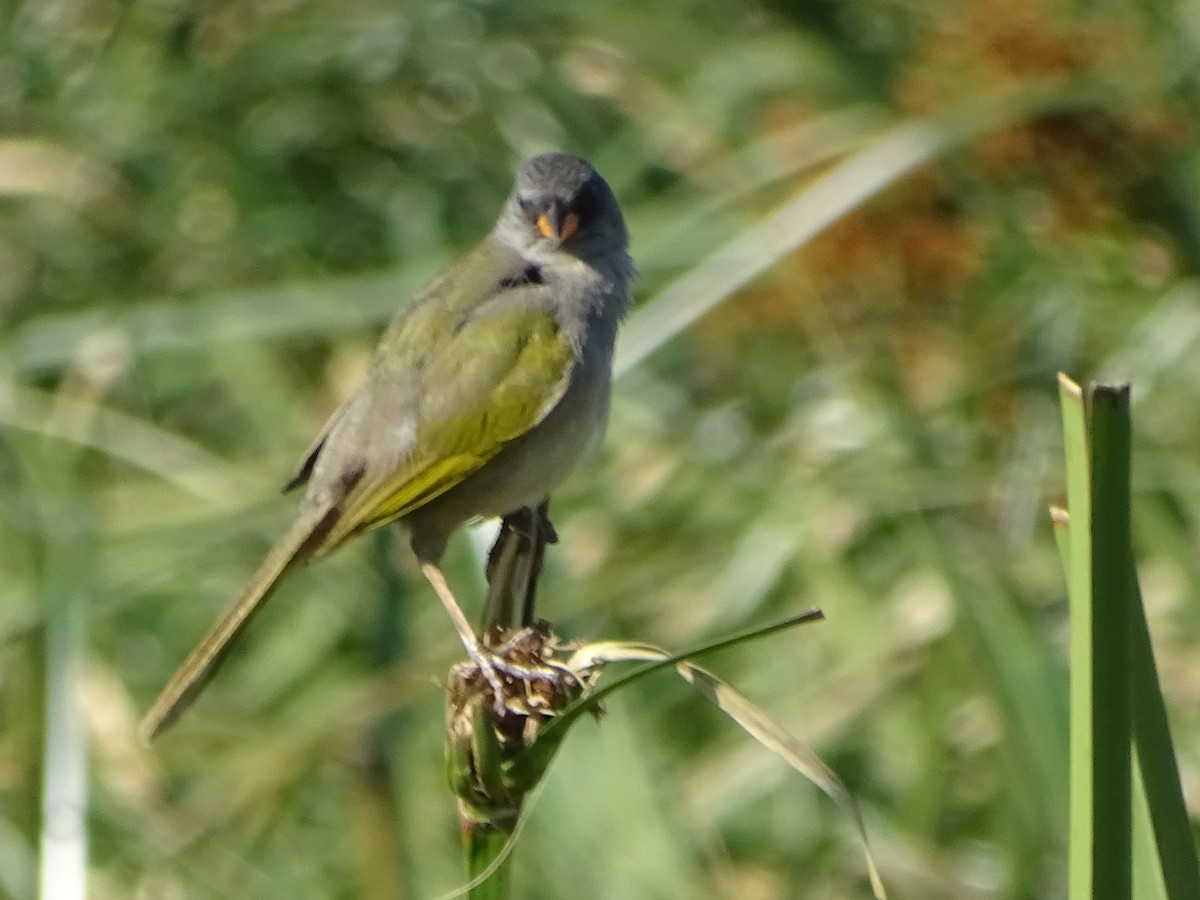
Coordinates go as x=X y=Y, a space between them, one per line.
x=514 y=565
x=543 y=534
x=482 y=659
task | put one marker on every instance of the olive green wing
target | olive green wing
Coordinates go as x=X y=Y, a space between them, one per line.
x=496 y=377
x=420 y=333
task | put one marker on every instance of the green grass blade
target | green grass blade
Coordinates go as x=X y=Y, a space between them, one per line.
x=535 y=759
x=1079 y=585
x=1130 y=833
x=1111 y=602
x=767 y=732
x=1147 y=876
x=1170 y=831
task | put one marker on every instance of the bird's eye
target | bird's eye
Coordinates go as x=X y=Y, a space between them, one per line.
x=530 y=208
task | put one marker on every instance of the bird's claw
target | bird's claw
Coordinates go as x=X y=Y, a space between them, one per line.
x=521 y=672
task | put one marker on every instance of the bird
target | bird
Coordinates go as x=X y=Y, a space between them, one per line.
x=482 y=396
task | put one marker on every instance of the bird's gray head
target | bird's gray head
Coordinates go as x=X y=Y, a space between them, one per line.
x=560 y=202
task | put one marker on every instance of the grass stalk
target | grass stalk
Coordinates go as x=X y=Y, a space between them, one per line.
x=1129 y=834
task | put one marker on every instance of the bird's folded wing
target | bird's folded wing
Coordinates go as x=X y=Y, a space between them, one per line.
x=495 y=379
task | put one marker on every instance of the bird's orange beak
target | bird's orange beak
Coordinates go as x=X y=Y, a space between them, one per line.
x=557 y=224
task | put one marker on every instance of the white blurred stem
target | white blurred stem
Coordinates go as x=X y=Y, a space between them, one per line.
x=66 y=578
x=64 y=787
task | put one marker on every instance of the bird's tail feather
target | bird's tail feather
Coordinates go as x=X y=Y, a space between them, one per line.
x=294 y=547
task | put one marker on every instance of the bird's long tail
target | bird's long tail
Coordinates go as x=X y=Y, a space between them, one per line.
x=293 y=548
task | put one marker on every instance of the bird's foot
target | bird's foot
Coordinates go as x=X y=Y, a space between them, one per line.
x=489 y=666
x=522 y=673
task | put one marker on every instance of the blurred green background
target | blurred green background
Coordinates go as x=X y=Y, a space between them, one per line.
x=210 y=208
